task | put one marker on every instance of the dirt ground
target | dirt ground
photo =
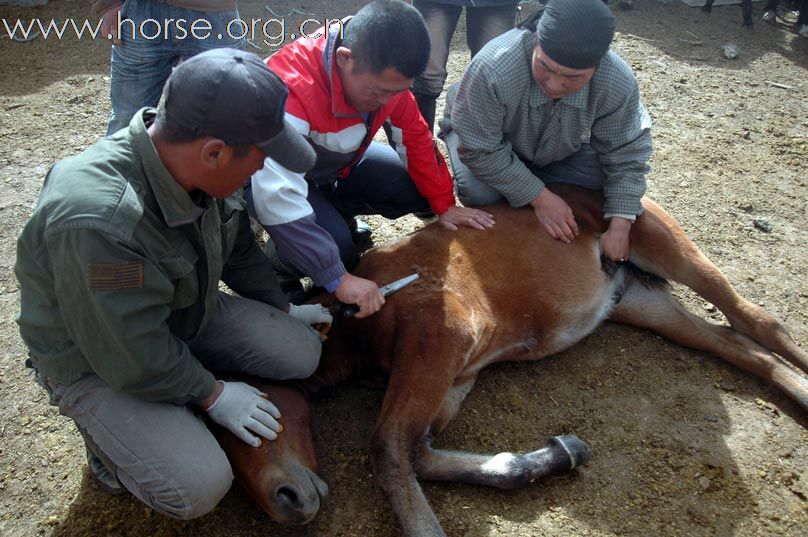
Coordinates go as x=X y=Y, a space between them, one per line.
x=683 y=444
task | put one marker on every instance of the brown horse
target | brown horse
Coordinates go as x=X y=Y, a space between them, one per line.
x=514 y=293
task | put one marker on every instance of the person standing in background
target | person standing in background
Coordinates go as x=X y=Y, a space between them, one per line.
x=141 y=64
x=485 y=19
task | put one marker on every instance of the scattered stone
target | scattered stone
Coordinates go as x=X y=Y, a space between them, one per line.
x=763 y=224
x=730 y=51
x=727 y=385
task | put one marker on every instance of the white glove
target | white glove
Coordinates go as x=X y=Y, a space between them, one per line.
x=311 y=314
x=243 y=409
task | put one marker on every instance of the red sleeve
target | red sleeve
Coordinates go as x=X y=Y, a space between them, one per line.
x=416 y=145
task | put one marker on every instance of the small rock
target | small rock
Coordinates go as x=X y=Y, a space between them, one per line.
x=727 y=385
x=730 y=51
x=763 y=224
x=711 y=419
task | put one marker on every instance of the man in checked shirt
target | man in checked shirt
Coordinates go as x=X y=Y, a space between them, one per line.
x=549 y=102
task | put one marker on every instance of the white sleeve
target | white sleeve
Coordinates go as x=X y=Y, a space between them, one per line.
x=279 y=195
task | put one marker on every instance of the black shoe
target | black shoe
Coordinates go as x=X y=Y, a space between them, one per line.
x=361 y=235
x=426 y=214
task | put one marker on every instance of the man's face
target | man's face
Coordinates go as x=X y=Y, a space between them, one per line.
x=365 y=91
x=226 y=180
x=555 y=80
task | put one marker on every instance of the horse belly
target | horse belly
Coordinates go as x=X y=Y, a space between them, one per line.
x=578 y=319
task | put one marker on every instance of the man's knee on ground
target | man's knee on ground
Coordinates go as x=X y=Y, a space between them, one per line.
x=308 y=356
x=193 y=495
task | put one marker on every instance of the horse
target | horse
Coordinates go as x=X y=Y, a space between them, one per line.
x=514 y=293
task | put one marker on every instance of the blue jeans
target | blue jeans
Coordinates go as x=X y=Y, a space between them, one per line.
x=483 y=23
x=140 y=66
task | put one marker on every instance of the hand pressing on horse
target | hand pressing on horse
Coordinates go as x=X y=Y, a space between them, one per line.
x=556 y=216
x=466 y=216
x=614 y=244
x=244 y=411
x=364 y=293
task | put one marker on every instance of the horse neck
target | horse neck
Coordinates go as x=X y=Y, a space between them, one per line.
x=337 y=363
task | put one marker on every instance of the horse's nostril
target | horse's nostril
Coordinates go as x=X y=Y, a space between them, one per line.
x=288 y=496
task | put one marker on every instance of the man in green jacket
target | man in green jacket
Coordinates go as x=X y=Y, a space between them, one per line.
x=119 y=268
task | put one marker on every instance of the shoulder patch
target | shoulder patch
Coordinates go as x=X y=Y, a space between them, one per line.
x=114 y=276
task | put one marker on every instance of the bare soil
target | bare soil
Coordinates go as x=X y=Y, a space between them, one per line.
x=683 y=444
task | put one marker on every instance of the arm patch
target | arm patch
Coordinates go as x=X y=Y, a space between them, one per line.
x=114 y=276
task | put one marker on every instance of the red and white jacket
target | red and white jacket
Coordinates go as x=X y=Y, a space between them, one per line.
x=340 y=135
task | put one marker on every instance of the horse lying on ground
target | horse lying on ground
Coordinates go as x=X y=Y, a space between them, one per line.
x=511 y=293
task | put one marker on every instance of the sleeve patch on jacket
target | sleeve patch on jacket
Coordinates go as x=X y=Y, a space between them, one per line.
x=113 y=276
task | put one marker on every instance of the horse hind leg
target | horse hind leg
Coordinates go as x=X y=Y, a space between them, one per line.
x=654 y=308
x=660 y=246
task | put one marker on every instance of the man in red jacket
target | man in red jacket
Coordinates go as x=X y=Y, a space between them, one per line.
x=345 y=83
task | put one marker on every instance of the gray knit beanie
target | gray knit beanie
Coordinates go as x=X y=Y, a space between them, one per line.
x=576 y=33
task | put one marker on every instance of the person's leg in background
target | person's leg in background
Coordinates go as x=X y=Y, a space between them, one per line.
x=223 y=33
x=441 y=20
x=140 y=66
x=485 y=23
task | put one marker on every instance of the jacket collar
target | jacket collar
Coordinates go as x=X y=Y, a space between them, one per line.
x=175 y=204
x=339 y=107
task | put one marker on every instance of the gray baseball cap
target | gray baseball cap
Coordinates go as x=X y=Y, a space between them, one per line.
x=232 y=95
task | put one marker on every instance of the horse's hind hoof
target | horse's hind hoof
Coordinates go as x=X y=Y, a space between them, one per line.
x=579 y=451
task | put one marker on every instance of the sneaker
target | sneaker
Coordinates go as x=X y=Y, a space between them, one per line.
x=102 y=476
x=802 y=30
x=769 y=16
x=361 y=235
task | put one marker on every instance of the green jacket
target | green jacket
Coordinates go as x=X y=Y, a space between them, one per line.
x=119 y=266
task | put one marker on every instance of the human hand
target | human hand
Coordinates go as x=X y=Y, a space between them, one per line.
x=109 y=25
x=364 y=293
x=614 y=244
x=466 y=216
x=245 y=411
x=311 y=314
x=556 y=216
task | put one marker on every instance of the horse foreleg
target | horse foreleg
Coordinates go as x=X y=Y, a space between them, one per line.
x=660 y=246
x=654 y=308
x=426 y=359
x=504 y=470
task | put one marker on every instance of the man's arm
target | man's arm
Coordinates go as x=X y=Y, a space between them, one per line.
x=115 y=304
x=621 y=135
x=412 y=140
x=478 y=115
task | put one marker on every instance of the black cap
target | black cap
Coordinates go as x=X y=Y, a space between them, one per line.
x=232 y=95
x=576 y=33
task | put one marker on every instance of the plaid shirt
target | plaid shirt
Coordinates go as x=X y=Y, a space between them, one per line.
x=500 y=114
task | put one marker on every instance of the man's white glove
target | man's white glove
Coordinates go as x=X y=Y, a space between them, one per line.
x=311 y=314
x=243 y=410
